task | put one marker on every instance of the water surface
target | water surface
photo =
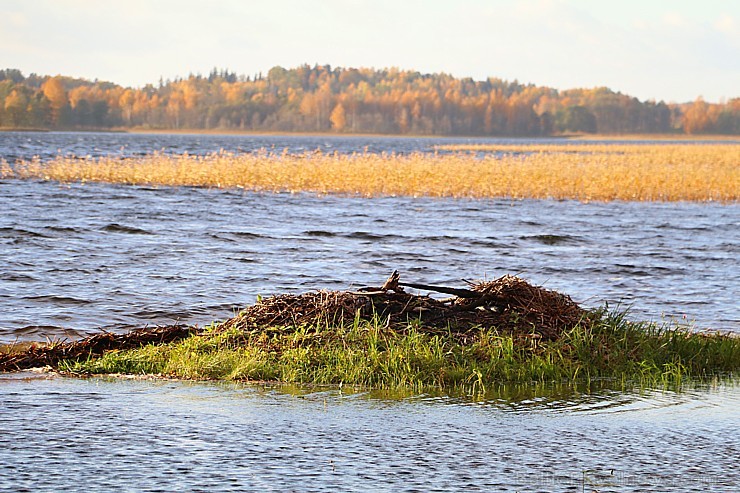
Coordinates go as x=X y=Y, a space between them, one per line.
x=78 y=258
x=46 y=145
x=113 y=435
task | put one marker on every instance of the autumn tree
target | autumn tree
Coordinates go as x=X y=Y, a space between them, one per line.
x=577 y=119
x=126 y=103
x=338 y=118
x=39 y=110
x=309 y=108
x=175 y=106
x=16 y=106
x=728 y=119
x=697 y=117
x=323 y=102
x=322 y=98
x=55 y=92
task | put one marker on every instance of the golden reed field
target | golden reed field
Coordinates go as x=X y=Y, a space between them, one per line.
x=584 y=172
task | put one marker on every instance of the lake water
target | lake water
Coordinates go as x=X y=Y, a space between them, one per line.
x=78 y=258
x=46 y=145
x=105 y=435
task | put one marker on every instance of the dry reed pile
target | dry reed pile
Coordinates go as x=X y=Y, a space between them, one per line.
x=508 y=304
x=50 y=354
x=664 y=172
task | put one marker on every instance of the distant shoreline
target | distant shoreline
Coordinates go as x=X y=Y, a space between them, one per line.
x=226 y=131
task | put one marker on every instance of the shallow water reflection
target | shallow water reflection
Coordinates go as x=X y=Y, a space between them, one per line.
x=170 y=436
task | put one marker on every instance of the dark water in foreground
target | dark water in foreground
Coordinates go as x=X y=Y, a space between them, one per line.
x=97 y=435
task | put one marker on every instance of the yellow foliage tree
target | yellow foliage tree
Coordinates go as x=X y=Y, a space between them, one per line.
x=15 y=106
x=338 y=118
x=126 y=103
x=55 y=92
x=310 y=108
x=175 y=105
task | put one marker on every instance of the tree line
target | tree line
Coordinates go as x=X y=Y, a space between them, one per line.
x=348 y=100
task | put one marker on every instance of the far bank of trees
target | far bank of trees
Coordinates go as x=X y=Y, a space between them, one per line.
x=325 y=99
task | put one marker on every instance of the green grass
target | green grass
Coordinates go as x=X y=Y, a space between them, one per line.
x=369 y=354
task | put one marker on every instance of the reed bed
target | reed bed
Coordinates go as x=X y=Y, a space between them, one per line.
x=584 y=172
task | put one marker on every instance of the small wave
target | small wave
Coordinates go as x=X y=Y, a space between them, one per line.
x=376 y=263
x=120 y=197
x=488 y=244
x=75 y=270
x=364 y=235
x=154 y=314
x=60 y=300
x=63 y=229
x=145 y=188
x=681 y=227
x=727 y=247
x=17 y=277
x=221 y=238
x=244 y=260
x=445 y=238
x=635 y=270
x=320 y=233
x=246 y=234
x=552 y=239
x=41 y=332
x=119 y=228
x=20 y=233
x=217 y=307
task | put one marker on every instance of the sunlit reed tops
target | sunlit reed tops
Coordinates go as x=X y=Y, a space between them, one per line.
x=598 y=172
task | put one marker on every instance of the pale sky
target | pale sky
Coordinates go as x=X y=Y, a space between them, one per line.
x=671 y=50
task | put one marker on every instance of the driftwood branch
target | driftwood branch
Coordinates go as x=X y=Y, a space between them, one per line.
x=393 y=283
x=460 y=293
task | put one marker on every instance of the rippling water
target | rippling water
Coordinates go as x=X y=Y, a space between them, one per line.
x=46 y=145
x=77 y=258
x=26 y=145
x=58 y=434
